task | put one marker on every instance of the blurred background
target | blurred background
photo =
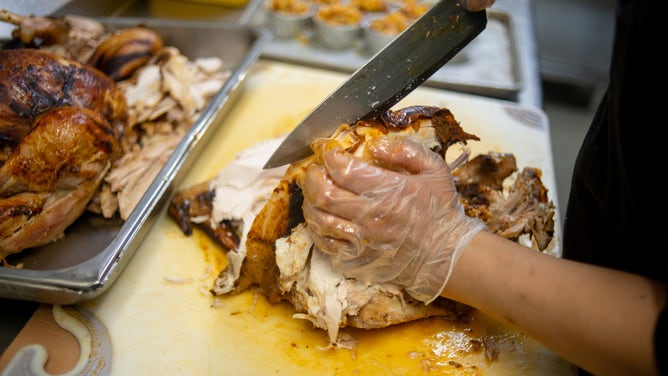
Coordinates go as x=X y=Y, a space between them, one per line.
x=575 y=44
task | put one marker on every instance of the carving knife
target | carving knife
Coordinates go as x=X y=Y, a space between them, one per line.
x=395 y=71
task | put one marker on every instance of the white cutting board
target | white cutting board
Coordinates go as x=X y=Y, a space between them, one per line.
x=159 y=327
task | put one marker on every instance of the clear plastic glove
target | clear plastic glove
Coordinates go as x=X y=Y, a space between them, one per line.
x=398 y=220
x=477 y=5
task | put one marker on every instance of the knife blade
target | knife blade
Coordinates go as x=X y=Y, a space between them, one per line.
x=395 y=71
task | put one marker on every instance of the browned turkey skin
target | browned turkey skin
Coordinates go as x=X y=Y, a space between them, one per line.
x=60 y=124
x=123 y=52
x=198 y=201
x=34 y=81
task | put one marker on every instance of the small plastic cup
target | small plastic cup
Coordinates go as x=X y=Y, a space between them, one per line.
x=378 y=32
x=289 y=22
x=337 y=27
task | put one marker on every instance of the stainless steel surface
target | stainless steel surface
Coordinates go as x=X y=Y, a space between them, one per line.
x=489 y=66
x=576 y=42
x=394 y=72
x=524 y=16
x=94 y=251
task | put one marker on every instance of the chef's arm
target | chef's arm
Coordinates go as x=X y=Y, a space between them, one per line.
x=598 y=318
x=399 y=219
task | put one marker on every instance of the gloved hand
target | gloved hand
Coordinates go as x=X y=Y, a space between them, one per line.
x=476 y=5
x=398 y=219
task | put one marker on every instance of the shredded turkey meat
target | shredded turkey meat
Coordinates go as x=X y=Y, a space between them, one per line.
x=165 y=97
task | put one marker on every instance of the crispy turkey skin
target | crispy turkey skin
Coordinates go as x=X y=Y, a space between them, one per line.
x=60 y=124
x=34 y=81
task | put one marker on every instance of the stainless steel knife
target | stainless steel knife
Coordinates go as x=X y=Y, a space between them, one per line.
x=395 y=71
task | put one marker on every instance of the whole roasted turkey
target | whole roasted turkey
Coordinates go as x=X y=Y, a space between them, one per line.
x=60 y=126
x=270 y=248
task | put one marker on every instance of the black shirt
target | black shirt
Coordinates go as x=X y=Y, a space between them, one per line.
x=617 y=213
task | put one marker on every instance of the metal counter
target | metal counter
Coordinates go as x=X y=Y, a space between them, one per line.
x=525 y=16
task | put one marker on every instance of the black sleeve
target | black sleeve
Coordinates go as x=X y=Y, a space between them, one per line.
x=615 y=215
x=616 y=212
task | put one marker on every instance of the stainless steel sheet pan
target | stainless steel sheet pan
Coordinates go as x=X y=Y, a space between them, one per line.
x=489 y=65
x=94 y=250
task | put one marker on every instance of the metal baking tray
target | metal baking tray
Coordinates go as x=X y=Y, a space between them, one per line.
x=95 y=250
x=489 y=65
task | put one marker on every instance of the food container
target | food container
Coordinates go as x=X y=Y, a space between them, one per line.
x=378 y=32
x=371 y=6
x=94 y=251
x=414 y=9
x=288 y=18
x=337 y=26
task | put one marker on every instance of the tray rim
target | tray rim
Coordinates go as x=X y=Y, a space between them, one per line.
x=90 y=278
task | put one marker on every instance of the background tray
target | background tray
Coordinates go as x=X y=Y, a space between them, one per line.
x=489 y=65
x=95 y=250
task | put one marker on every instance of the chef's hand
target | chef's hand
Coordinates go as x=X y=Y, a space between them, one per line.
x=476 y=5
x=398 y=220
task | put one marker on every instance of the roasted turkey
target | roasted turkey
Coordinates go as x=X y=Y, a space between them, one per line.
x=60 y=126
x=142 y=95
x=270 y=248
